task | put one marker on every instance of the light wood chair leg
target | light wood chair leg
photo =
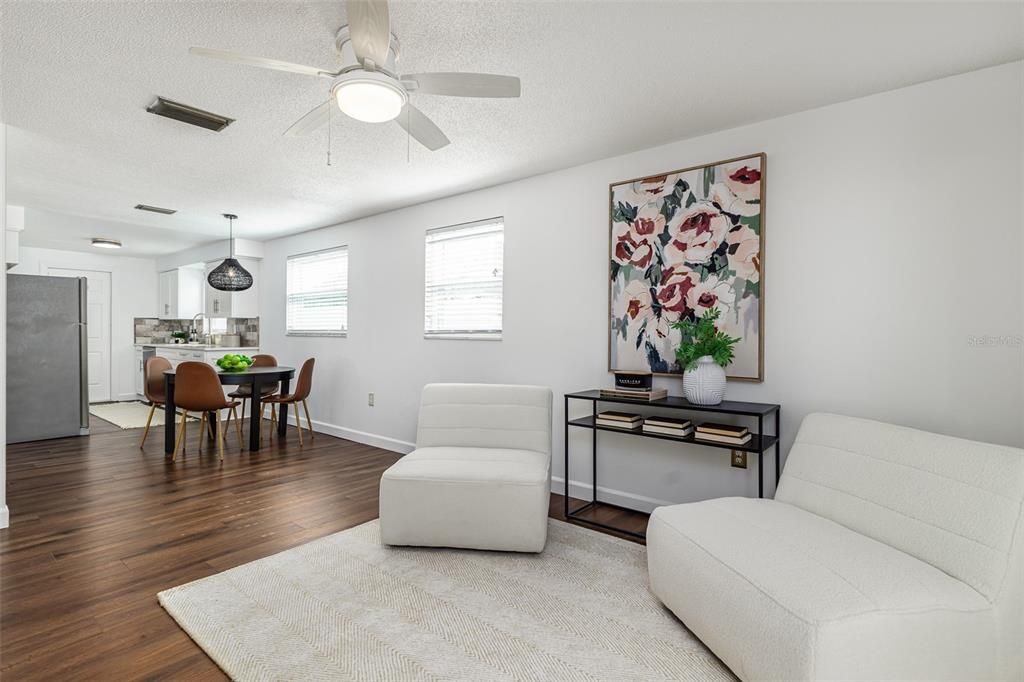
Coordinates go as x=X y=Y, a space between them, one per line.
x=222 y=425
x=298 y=422
x=181 y=436
x=227 y=418
x=273 y=419
x=202 y=429
x=149 y=419
x=238 y=424
x=309 y=422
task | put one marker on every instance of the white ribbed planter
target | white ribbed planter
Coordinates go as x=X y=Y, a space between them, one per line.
x=705 y=383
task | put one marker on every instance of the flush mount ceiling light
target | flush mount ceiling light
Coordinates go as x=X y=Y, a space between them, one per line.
x=230 y=275
x=101 y=243
x=372 y=97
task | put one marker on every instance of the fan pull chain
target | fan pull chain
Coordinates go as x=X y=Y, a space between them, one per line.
x=329 y=107
x=408 y=134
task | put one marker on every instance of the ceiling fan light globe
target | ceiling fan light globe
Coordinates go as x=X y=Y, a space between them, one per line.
x=372 y=98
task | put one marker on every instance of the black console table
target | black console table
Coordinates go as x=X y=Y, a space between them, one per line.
x=759 y=444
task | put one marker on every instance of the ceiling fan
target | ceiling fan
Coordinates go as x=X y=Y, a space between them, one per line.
x=367 y=86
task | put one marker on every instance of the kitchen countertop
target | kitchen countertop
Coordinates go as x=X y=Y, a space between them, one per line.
x=196 y=346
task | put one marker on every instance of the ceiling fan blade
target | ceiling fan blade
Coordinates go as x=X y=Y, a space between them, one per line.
x=262 y=62
x=311 y=121
x=369 y=25
x=422 y=129
x=464 y=84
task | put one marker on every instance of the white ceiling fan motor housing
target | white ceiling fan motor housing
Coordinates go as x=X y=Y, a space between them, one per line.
x=366 y=91
x=343 y=45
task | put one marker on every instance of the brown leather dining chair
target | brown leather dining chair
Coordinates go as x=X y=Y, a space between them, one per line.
x=154 y=389
x=302 y=389
x=244 y=392
x=197 y=389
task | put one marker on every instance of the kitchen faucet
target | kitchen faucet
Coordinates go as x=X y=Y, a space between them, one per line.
x=206 y=331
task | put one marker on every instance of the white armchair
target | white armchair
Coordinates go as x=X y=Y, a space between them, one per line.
x=480 y=476
x=888 y=553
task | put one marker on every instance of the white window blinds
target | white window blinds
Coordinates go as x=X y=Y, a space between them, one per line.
x=464 y=279
x=318 y=293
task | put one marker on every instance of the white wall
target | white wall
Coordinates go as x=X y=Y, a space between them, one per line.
x=893 y=237
x=133 y=293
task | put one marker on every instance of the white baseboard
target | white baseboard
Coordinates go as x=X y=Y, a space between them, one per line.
x=584 y=491
x=5 y=516
x=578 y=489
x=129 y=397
x=376 y=440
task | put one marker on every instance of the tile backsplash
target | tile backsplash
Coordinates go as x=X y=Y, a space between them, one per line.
x=153 y=330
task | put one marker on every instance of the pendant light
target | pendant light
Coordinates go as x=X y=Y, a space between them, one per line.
x=230 y=275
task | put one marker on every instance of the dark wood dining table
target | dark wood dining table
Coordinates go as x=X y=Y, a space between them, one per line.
x=256 y=378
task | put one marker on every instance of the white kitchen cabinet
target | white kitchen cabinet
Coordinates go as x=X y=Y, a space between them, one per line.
x=180 y=293
x=234 y=303
x=176 y=356
x=140 y=373
x=167 y=307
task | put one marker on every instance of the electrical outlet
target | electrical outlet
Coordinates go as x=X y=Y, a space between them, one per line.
x=739 y=459
x=369 y=399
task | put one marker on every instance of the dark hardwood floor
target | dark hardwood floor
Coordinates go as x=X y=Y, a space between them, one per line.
x=98 y=527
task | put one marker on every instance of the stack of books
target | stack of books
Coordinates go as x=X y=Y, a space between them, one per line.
x=722 y=433
x=668 y=426
x=620 y=420
x=647 y=394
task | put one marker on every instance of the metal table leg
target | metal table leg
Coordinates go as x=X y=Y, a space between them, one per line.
x=169 y=411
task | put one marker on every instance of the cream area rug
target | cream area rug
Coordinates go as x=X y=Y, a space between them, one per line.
x=128 y=415
x=345 y=607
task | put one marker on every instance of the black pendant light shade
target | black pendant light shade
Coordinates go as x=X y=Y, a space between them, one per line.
x=230 y=275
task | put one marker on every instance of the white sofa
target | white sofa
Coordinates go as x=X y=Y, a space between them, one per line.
x=888 y=553
x=480 y=476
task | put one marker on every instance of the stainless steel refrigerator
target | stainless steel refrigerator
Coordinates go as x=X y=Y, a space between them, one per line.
x=47 y=382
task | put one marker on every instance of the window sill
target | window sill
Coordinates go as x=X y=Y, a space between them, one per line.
x=341 y=334
x=464 y=337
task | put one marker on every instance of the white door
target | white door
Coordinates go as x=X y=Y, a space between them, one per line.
x=98 y=328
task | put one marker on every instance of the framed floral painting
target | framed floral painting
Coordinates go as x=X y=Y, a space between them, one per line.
x=681 y=243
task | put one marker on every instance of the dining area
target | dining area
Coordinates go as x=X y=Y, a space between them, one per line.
x=221 y=396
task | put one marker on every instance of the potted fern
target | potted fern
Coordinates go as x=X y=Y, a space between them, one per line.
x=704 y=352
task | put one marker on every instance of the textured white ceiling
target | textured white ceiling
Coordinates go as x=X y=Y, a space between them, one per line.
x=599 y=78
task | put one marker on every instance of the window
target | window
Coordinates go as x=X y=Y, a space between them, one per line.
x=464 y=280
x=318 y=293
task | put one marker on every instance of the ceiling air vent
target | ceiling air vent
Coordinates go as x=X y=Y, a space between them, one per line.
x=190 y=115
x=156 y=209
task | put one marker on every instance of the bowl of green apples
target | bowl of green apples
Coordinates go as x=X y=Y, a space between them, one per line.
x=232 y=362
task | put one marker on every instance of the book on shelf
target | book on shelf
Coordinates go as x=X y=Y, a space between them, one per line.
x=616 y=424
x=631 y=394
x=668 y=422
x=722 y=429
x=667 y=431
x=725 y=440
x=620 y=416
